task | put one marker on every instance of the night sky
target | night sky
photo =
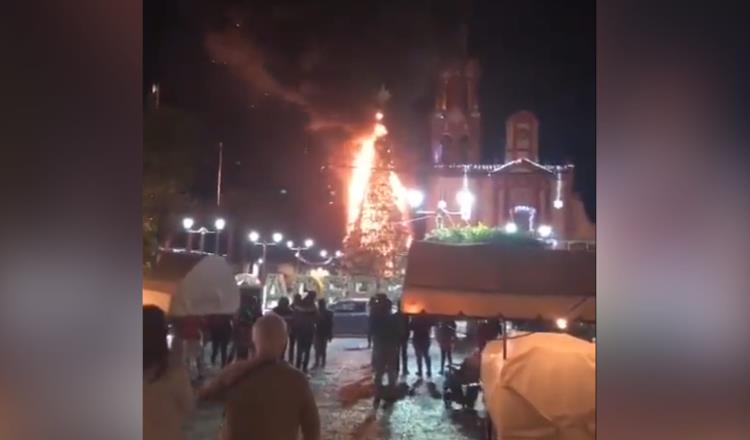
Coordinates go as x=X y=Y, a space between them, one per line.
x=285 y=83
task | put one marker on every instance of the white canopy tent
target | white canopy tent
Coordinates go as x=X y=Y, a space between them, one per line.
x=545 y=389
x=192 y=284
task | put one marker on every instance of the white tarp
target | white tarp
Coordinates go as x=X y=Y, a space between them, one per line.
x=546 y=389
x=204 y=286
x=210 y=288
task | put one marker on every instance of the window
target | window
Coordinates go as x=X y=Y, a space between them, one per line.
x=350 y=307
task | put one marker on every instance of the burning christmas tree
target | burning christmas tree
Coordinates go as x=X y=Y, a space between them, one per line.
x=377 y=236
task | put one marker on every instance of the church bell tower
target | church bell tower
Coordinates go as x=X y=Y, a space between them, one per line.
x=456 y=118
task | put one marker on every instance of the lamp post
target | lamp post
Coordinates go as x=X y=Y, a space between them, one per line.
x=188 y=223
x=298 y=250
x=254 y=238
x=219 y=224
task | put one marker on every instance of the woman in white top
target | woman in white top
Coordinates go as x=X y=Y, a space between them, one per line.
x=167 y=393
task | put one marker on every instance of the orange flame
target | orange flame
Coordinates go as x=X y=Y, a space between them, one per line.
x=363 y=164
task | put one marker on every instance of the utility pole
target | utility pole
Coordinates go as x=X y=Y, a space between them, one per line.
x=218 y=175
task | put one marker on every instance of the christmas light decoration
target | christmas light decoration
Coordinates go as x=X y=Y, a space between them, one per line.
x=511 y=228
x=544 y=231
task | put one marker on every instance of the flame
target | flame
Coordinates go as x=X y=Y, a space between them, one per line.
x=362 y=167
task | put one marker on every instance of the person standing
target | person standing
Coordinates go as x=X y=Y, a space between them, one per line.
x=421 y=326
x=402 y=320
x=189 y=331
x=323 y=333
x=304 y=317
x=167 y=394
x=446 y=334
x=292 y=329
x=265 y=397
x=221 y=334
x=283 y=310
x=385 y=339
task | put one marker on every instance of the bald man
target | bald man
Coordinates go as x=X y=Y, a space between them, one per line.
x=265 y=397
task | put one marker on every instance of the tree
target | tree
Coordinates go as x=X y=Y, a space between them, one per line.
x=170 y=151
x=378 y=239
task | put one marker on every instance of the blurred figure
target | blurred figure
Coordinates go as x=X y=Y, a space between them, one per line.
x=402 y=322
x=283 y=310
x=264 y=397
x=446 y=334
x=167 y=394
x=189 y=332
x=323 y=333
x=296 y=302
x=421 y=326
x=488 y=331
x=221 y=335
x=385 y=339
x=304 y=316
x=369 y=321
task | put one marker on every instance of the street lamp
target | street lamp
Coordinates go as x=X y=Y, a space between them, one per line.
x=309 y=243
x=219 y=224
x=415 y=198
x=511 y=228
x=188 y=223
x=339 y=254
x=323 y=253
x=254 y=238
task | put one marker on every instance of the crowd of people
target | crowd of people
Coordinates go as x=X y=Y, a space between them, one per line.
x=264 y=360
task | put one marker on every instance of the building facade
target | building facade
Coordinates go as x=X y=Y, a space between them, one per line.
x=520 y=194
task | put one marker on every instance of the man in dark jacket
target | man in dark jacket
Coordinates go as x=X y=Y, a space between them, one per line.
x=323 y=333
x=304 y=316
x=221 y=334
x=421 y=326
x=403 y=325
x=283 y=310
x=385 y=339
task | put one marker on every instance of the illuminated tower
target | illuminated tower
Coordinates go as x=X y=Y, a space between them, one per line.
x=456 y=118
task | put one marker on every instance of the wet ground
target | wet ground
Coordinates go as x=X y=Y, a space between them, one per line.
x=422 y=415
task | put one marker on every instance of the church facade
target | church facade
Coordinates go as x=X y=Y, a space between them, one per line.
x=520 y=194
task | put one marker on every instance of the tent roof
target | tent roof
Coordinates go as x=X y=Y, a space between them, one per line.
x=509 y=280
x=173 y=266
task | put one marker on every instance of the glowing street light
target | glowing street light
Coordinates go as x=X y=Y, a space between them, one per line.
x=290 y=244
x=277 y=237
x=339 y=254
x=557 y=204
x=415 y=198
x=379 y=116
x=220 y=224
x=511 y=228
x=544 y=231
x=188 y=223
x=323 y=253
x=442 y=204
x=561 y=323
x=309 y=243
x=253 y=236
